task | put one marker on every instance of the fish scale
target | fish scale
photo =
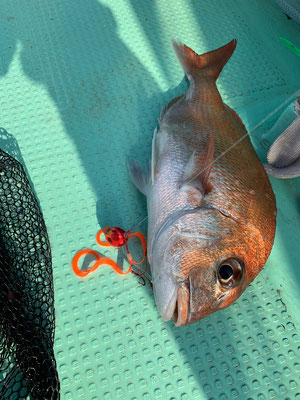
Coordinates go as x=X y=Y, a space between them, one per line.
x=211 y=208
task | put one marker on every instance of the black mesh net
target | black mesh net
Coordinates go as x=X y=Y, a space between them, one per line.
x=27 y=363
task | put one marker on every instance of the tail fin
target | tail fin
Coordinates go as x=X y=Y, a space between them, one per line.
x=212 y=62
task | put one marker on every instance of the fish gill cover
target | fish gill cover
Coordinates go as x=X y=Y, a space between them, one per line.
x=27 y=363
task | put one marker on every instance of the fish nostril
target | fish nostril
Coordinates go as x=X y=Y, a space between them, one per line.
x=226 y=272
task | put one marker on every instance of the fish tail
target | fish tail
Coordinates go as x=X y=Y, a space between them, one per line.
x=210 y=63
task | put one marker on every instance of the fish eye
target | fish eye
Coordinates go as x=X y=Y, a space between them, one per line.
x=225 y=272
x=230 y=273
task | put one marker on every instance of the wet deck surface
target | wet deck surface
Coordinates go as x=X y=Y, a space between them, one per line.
x=81 y=87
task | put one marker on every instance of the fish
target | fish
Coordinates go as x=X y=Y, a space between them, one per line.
x=211 y=207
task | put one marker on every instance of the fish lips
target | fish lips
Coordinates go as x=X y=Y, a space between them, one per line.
x=180 y=306
x=166 y=289
x=187 y=305
x=186 y=301
x=171 y=296
x=175 y=304
x=165 y=294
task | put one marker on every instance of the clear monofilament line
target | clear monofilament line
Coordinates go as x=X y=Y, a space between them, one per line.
x=139 y=223
x=294 y=95
x=248 y=133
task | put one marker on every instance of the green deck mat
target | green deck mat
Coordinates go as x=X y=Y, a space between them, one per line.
x=82 y=84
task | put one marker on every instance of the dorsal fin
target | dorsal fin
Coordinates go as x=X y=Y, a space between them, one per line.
x=169 y=105
x=236 y=116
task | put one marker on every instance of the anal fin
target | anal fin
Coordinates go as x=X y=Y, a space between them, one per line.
x=138 y=176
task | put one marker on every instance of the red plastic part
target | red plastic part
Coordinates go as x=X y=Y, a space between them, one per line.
x=116 y=237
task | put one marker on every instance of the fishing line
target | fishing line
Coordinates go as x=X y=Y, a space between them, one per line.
x=248 y=133
x=117 y=237
x=295 y=94
x=139 y=223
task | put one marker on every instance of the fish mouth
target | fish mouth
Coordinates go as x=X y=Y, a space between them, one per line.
x=181 y=306
x=177 y=306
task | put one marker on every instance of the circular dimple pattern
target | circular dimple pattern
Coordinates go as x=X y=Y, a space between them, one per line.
x=82 y=85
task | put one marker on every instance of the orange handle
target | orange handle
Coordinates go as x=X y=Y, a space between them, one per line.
x=99 y=261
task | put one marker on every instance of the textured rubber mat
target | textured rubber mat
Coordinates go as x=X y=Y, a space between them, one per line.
x=81 y=87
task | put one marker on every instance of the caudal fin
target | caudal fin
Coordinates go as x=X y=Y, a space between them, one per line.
x=211 y=63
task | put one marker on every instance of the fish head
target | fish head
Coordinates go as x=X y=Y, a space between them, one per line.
x=202 y=263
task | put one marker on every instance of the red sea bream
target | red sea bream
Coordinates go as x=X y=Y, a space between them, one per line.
x=211 y=208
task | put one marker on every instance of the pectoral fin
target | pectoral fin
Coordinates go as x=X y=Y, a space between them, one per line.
x=199 y=167
x=158 y=144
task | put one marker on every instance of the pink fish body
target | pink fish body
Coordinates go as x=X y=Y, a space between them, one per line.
x=211 y=208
